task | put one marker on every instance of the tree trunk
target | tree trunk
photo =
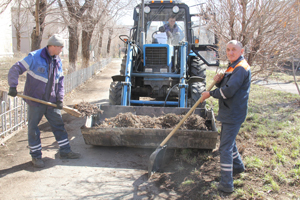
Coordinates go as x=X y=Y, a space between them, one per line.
x=73 y=47
x=36 y=39
x=18 y=37
x=99 y=53
x=111 y=31
x=85 y=43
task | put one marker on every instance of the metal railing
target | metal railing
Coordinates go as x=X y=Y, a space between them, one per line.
x=14 y=110
x=13 y=115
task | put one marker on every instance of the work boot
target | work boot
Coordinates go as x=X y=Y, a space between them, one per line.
x=38 y=162
x=224 y=189
x=70 y=155
x=238 y=171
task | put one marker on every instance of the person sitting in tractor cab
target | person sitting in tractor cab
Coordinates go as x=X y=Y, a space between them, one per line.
x=174 y=33
x=171 y=28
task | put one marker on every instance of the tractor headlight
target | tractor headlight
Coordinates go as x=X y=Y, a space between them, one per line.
x=147 y=9
x=175 y=9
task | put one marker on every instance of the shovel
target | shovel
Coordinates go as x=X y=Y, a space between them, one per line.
x=156 y=158
x=67 y=109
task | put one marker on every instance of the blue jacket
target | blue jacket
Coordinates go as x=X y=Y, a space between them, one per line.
x=172 y=30
x=233 y=92
x=38 y=64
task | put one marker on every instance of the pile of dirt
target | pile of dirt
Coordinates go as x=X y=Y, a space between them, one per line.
x=168 y=121
x=87 y=109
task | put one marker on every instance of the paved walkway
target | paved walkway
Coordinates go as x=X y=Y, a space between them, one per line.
x=286 y=87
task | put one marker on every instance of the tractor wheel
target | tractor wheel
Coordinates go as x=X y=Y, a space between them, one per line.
x=123 y=65
x=196 y=90
x=198 y=68
x=115 y=93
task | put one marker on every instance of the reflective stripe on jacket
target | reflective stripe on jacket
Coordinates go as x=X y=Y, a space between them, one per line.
x=37 y=65
x=233 y=92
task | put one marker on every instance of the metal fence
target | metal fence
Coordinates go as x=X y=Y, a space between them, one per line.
x=13 y=115
x=14 y=110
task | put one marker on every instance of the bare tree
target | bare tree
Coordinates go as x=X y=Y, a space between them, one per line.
x=19 y=20
x=74 y=14
x=267 y=29
x=111 y=32
x=104 y=11
x=39 y=10
x=4 y=4
x=100 y=36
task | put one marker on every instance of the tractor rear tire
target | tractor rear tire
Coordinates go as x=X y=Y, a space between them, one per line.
x=198 y=68
x=115 y=93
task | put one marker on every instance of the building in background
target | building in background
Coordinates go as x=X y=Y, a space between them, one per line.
x=6 y=46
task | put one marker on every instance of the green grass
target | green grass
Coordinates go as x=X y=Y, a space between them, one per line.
x=254 y=162
x=270 y=184
x=188 y=182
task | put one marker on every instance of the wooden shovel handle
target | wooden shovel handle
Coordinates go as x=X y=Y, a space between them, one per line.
x=67 y=109
x=36 y=100
x=200 y=100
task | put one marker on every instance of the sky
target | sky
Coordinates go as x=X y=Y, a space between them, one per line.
x=127 y=19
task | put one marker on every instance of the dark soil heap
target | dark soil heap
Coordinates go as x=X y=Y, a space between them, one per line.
x=167 y=121
x=87 y=109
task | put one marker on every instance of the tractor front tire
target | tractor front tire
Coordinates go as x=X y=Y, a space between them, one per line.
x=197 y=68
x=196 y=90
x=115 y=93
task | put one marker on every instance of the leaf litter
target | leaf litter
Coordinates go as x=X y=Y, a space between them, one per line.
x=87 y=109
x=168 y=121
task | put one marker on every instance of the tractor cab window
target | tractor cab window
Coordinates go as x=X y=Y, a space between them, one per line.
x=162 y=26
x=203 y=36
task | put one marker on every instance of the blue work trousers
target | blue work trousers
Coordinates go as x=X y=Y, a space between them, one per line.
x=53 y=115
x=230 y=158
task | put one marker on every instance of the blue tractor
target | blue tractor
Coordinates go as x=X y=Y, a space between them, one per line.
x=163 y=71
x=163 y=68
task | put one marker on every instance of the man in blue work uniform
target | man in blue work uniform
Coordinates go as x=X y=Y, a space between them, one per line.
x=233 y=92
x=174 y=33
x=44 y=81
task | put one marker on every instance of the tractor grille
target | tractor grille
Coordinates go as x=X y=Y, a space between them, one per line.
x=156 y=56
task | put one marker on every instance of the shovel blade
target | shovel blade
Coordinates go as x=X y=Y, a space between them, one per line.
x=156 y=160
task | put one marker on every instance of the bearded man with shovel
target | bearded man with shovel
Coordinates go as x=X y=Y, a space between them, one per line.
x=44 y=81
x=233 y=92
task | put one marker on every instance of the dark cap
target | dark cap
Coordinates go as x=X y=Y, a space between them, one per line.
x=56 y=40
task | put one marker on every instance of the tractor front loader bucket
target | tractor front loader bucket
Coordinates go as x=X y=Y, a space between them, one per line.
x=148 y=137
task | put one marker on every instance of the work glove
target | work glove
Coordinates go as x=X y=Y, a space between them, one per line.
x=169 y=34
x=13 y=91
x=59 y=104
